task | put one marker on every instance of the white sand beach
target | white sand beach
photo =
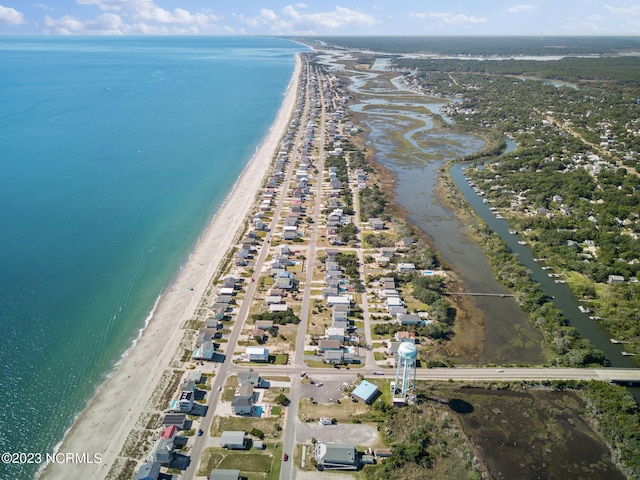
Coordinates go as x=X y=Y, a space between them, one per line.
x=102 y=427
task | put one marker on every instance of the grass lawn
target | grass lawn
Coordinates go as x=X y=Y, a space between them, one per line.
x=230 y=389
x=267 y=425
x=252 y=465
x=247 y=462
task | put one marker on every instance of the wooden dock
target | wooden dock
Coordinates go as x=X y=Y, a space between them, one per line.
x=479 y=294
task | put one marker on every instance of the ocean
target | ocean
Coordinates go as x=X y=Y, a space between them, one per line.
x=115 y=152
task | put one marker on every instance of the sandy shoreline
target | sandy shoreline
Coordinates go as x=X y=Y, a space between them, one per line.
x=102 y=427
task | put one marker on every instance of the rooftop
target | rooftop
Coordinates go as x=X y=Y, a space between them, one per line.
x=366 y=391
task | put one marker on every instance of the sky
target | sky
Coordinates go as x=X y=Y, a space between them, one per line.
x=320 y=17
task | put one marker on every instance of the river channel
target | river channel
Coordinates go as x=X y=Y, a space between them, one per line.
x=409 y=145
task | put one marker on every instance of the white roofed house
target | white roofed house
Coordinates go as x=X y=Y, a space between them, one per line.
x=233 y=440
x=163 y=451
x=257 y=354
x=335 y=333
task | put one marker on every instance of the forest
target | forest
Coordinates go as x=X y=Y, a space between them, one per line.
x=487 y=45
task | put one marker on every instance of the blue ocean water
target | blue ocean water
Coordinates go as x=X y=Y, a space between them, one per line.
x=114 y=154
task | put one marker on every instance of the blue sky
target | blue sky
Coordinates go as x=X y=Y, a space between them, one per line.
x=320 y=17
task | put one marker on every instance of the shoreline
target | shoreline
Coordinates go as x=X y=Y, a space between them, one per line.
x=104 y=424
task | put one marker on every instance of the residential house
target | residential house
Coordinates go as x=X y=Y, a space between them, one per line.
x=333 y=356
x=335 y=333
x=185 y=401
x=219 y=310
x=410 y=319
x=250 y=378
x=338 y=300
x=205 y=351
x=177 y=419
x=232 y=440
x=257 y=354
x=405 y=267
x=264 y=324
x=224 y=474
x=396 y=310
x=278 y=307
x=258 y=335
x=404 y=336
x=163 y=451
x=376 y=223
x=324 y=345
x=242 y=403
x=336 y=456
x=148 y=471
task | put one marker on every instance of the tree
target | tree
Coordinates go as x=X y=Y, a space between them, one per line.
x=281 y=399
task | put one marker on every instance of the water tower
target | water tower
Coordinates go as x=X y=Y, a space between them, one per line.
x=405 y=372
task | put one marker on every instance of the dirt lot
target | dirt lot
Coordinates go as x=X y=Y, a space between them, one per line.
x=359 y=434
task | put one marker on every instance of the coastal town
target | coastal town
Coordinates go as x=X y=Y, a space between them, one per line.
x=320 y=313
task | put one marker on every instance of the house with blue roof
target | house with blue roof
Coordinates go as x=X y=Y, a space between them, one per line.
x=366 y=392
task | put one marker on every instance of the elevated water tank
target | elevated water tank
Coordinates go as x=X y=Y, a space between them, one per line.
x=407 y=351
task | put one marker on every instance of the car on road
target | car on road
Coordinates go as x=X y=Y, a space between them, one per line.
x=378 y=372
x=499 y=370
x=200 y=432
x=319 y=384
x=302 y=374
x=285 y=457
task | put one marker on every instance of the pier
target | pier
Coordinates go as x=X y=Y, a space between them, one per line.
x=479 y=294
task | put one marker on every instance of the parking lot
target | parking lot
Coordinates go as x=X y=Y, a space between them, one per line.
x=328 y=390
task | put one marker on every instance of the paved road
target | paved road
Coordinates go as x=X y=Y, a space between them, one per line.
x=471 y=374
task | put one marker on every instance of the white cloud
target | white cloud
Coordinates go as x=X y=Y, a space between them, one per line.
x=134 y=17
x=449 y=18
x=291 y=20
x=632 y=10
x=520 y=8
x=10 y=16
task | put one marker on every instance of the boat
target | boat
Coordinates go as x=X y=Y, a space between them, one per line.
x=521 y=242
x=613 y=340
x=627 y=354
x=514 y=232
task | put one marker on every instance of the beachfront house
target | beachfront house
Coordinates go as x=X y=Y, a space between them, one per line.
x=185 y=401
x=204 y=351
x=163 y=451
x=177 y=419
x=148 y=471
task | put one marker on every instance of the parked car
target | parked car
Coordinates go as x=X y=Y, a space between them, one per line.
x=200 y=432
x=285 y=457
